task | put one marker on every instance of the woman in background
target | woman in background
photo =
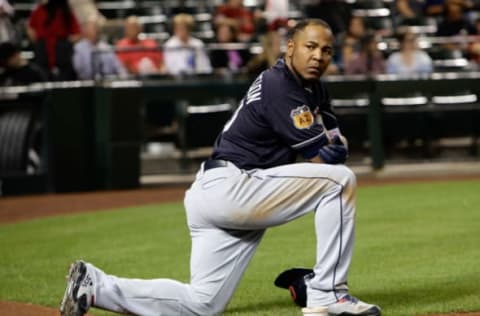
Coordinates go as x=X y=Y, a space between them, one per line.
x=350 y=40
x=409 y=60
x=369 y=60
x=227 y=59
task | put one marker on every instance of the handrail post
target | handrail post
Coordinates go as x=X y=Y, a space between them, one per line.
x=375 y=127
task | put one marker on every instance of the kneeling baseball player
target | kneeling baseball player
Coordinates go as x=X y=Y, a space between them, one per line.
x=250 y=183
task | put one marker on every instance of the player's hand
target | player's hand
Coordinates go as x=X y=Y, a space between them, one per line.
x=334 y=153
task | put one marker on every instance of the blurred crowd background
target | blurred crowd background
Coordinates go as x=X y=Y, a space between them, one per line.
x=58 y=40
x=118 y=93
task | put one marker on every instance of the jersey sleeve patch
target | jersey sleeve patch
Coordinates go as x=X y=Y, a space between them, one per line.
x=302 y=117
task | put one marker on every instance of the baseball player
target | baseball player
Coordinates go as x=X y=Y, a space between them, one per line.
x=250 y=183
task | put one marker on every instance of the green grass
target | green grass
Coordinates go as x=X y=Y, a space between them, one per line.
x=417 y=251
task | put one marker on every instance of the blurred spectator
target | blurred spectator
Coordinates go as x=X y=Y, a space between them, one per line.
x=276 y=10
x=369 y=60
x=271 y=51
x=7 y=32
x=185 y=54
x=93 y=57
x=274 y=16
x=409 y=60
x=181 y=6
x=244 y=18
x=454 y=21
x=474 y=47
x=434 y=7
x=17 y=70
x=85 y=10
x=138 y=56
x=222 y=59
x=335 y=12
x=409 y=12
x=350 y=41
x=53 y=29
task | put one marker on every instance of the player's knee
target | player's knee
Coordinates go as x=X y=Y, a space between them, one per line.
x=207 y=302
x=210 y=307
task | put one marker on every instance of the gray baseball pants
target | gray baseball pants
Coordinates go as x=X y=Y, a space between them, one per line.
x=228 y=210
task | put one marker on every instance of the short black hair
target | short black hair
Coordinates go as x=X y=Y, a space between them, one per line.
x=301 y=25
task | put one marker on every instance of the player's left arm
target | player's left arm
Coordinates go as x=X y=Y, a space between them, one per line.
x=336 y=151
x=328 y=118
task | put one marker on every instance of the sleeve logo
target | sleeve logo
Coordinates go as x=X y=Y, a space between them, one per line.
x=302 y=117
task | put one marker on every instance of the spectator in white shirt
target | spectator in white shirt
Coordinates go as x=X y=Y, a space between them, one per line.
x=183 y=53
x=94 y=58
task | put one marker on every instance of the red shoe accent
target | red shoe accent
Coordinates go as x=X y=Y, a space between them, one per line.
x=292 y=292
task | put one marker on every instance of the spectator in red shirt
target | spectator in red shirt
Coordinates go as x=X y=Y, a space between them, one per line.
x=53 y=28
x=130 y=53
x=243 y=17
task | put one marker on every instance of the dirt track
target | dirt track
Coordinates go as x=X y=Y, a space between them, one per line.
x=14 y=209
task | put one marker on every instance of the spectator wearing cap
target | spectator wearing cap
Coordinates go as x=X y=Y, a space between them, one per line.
x=17 y=70
x=369 y=60
x=409 y=60
x=138 y=55
x=185 y=54
x=94 y=58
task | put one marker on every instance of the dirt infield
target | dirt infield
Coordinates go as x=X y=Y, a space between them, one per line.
x=22 y=309
x=15 y=209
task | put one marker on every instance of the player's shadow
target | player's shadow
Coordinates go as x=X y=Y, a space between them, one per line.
x=261 y=306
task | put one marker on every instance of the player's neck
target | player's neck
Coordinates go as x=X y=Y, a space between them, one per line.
x=296 y=75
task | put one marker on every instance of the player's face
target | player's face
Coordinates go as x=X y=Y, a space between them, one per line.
x=310 y=51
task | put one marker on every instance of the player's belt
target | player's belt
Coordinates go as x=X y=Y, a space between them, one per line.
x=214 y=163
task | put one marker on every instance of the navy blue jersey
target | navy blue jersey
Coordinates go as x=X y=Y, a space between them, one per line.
x=278 y=119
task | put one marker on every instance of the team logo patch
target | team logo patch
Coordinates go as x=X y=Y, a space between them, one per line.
x=302 y=117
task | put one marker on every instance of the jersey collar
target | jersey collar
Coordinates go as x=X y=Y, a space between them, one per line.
x=292 y=76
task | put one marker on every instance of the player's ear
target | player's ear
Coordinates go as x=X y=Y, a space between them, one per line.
x=289 y=51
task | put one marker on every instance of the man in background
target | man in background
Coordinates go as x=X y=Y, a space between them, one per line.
x=138 y=55
x=94 y=58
